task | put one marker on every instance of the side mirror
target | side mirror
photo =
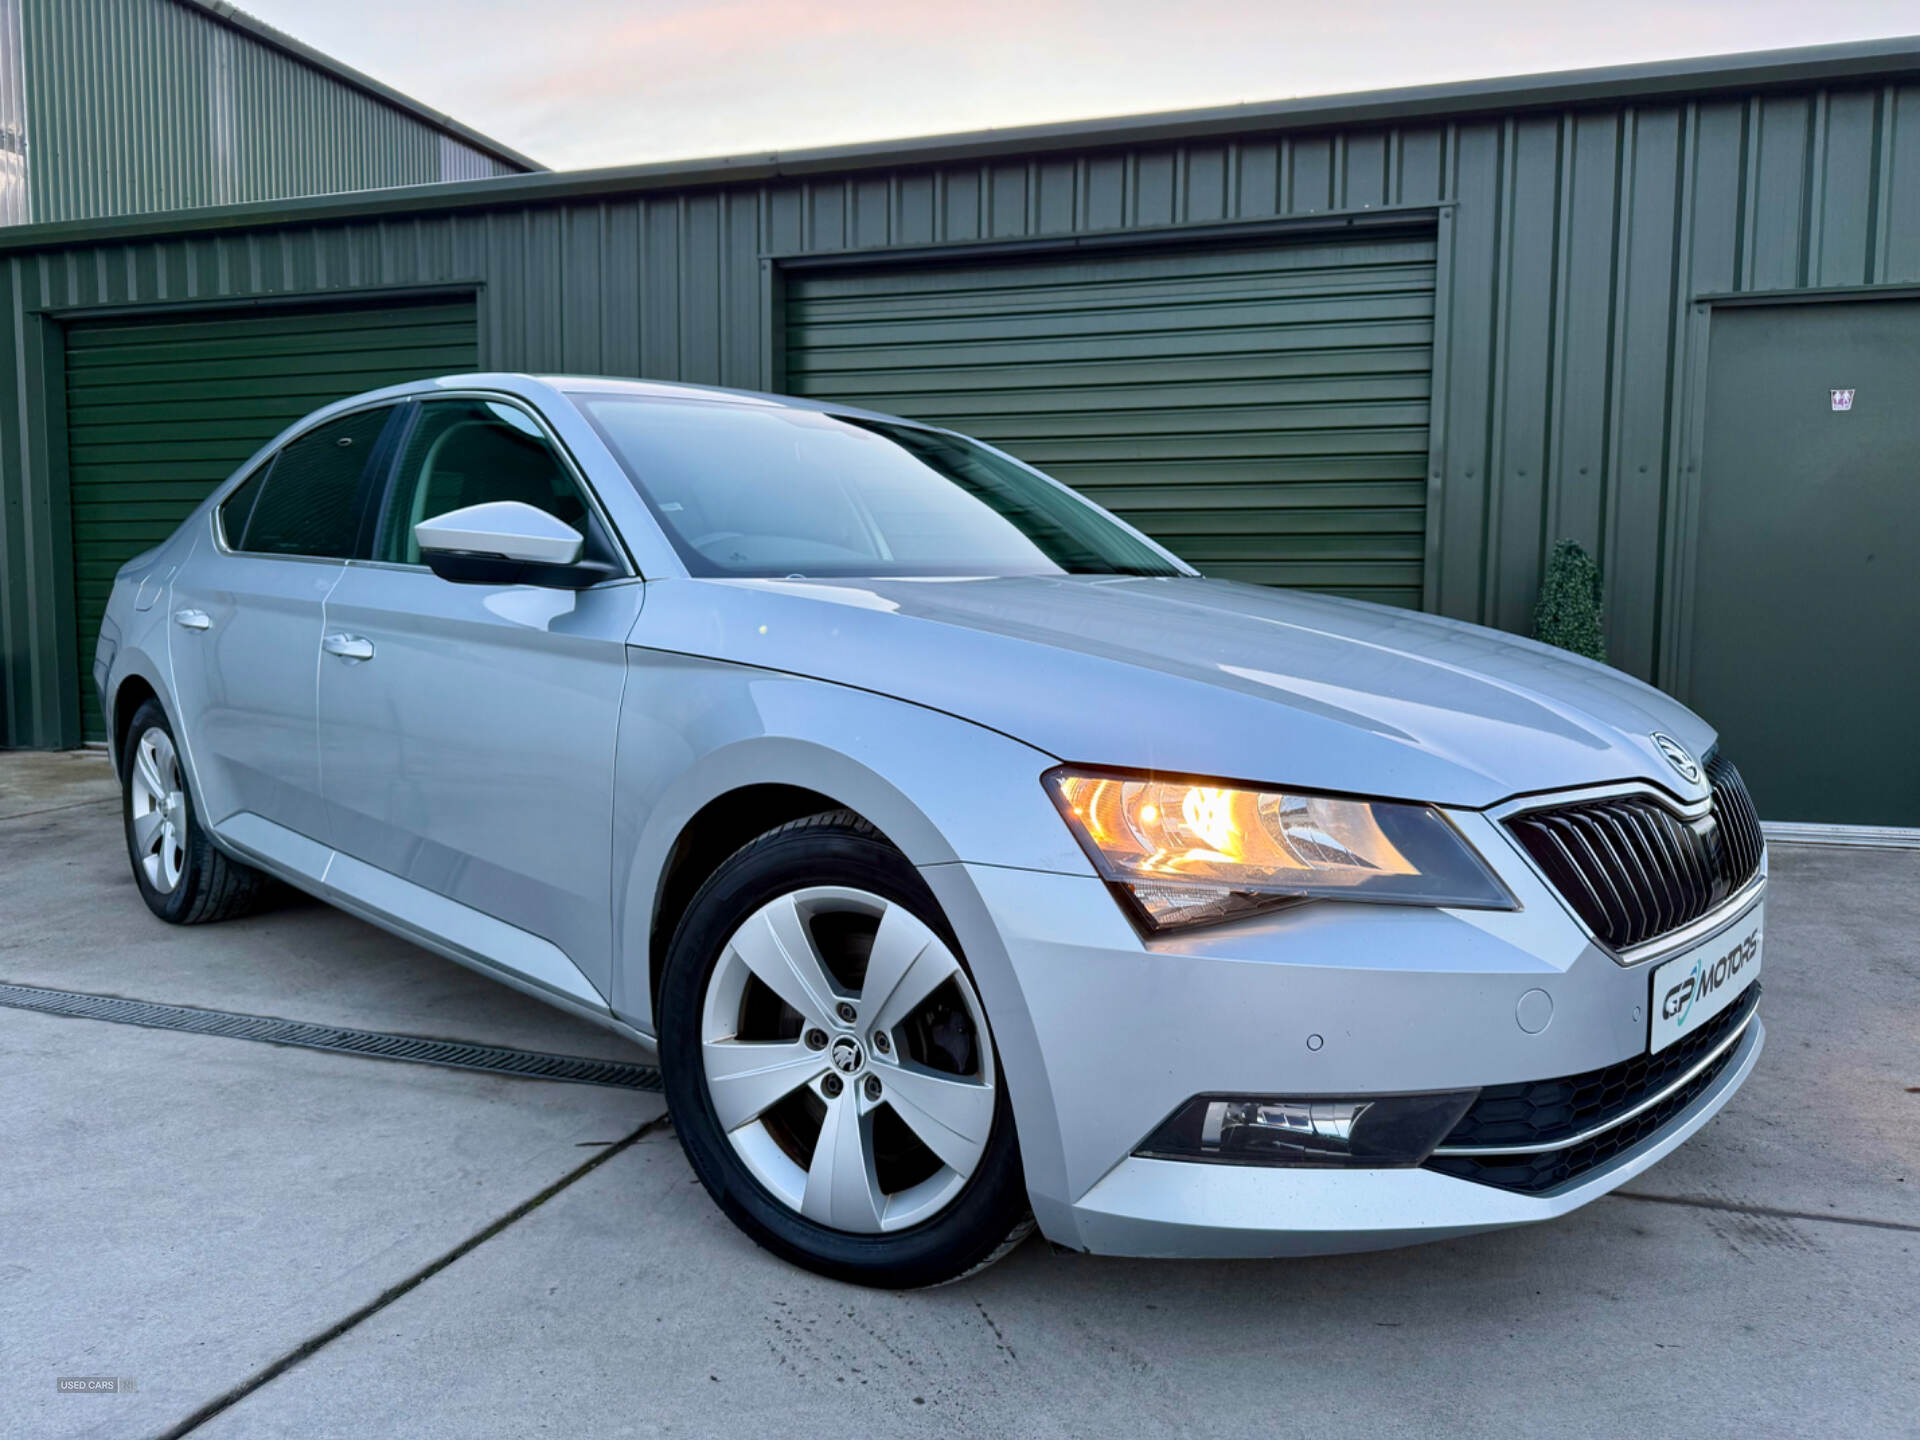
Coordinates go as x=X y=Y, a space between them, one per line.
x=506 y=542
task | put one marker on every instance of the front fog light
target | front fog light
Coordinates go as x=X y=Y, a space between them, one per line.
x=1373 y=1131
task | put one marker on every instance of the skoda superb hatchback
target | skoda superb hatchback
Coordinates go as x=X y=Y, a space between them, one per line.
x=969 y=861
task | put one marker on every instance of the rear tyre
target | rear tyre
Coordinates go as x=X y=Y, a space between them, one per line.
x=829 y=1067
x=182 y=877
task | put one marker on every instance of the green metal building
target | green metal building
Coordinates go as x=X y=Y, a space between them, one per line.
x=1389 y=345
x=115 y=107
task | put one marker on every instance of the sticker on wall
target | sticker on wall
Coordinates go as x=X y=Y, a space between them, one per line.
x=1842 y=399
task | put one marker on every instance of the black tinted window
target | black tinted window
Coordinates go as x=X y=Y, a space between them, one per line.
x=310 y=505
x=470 y=452
x=237 y=507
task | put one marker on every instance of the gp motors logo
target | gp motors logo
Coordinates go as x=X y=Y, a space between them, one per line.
x=1707 y=977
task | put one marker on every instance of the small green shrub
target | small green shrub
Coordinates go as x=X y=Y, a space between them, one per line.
x=1569 y=611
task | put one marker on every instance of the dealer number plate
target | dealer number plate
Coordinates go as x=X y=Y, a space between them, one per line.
x=1696 y=985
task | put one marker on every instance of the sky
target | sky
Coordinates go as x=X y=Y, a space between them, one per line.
x=584 y=83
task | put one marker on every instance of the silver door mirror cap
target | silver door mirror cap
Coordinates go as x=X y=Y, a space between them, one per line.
x=511 y=529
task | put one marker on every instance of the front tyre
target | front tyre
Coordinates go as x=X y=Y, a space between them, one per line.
x=182 y=877
x=829 y=1066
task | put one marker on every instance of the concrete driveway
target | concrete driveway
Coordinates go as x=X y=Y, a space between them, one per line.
x=276 y=1241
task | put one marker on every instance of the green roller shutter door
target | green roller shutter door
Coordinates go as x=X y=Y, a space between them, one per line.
x=1261 y=411
x=161 y=411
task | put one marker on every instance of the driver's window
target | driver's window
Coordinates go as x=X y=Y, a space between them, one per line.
x=468 y=452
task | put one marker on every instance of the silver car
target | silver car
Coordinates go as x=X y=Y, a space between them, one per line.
x=967 y=859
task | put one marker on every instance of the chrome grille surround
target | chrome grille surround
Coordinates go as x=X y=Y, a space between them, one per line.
x=1638 y=866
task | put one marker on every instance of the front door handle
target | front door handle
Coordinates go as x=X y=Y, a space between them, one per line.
x=348 y=647
x=193 y=619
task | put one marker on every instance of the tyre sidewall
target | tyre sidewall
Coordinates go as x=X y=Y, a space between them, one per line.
x=955 y=1241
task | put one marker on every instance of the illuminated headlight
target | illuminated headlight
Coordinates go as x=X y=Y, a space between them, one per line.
x=1191 y=851
x=1373 y=1132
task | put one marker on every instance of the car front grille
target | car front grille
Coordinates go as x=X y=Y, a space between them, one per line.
x=1539 y=1135
x=1635 y=868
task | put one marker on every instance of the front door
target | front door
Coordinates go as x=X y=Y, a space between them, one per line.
x=244 y=636
x=467 y=731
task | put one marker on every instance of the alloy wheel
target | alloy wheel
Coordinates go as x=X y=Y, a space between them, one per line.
x=847 y=1059
x=159 y=810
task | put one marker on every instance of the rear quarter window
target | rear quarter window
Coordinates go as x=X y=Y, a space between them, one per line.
x=237 y=508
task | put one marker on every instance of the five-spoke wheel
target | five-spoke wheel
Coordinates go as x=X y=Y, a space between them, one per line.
x=846 y=1057
x=830 y=1066
x=157 y=808
x=182 y=876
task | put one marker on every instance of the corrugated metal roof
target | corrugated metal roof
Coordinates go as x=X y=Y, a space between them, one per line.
x=141 y=106
x=1715 y=75
x=229 y=14
x=136 y=107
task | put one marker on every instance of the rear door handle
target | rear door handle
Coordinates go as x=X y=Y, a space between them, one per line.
x=193 y=619
x=348 y=647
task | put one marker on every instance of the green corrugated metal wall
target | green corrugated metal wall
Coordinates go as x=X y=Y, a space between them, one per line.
x=138 y=105
x=1574 y=245
x=161 y=411
x=1260 y=410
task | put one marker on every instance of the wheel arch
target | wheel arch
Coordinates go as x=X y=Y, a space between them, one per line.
x=739 y=792
x=135 y=682
x=716 y=831
x=712 y=755
x=134 y=692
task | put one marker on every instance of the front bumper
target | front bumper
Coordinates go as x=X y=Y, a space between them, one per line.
x=1102 y=1035
x=1162 y=1208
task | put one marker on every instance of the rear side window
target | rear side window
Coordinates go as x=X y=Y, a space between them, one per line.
x=311 y=501
x=470 y=452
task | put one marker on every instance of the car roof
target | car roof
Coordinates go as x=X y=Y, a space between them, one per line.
x=539 y=386
x=543 y=387
x=669 y=389
x=540 y=389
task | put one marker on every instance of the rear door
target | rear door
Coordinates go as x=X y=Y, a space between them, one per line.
x=467 y=731
x=161 y=409
x=244 y=637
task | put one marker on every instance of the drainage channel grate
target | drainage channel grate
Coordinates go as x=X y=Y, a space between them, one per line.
x=495 y=1059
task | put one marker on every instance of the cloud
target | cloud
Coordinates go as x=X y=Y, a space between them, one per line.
x=599 y=82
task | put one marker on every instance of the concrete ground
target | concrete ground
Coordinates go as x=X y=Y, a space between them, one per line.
x=356 y=1247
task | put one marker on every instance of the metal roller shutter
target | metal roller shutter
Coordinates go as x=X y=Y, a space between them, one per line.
x=160 y=411
x=1261 y=411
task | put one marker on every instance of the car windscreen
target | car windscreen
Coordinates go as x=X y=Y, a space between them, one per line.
x=750 y=490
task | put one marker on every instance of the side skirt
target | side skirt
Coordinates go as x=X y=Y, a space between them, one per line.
x=430 y=920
